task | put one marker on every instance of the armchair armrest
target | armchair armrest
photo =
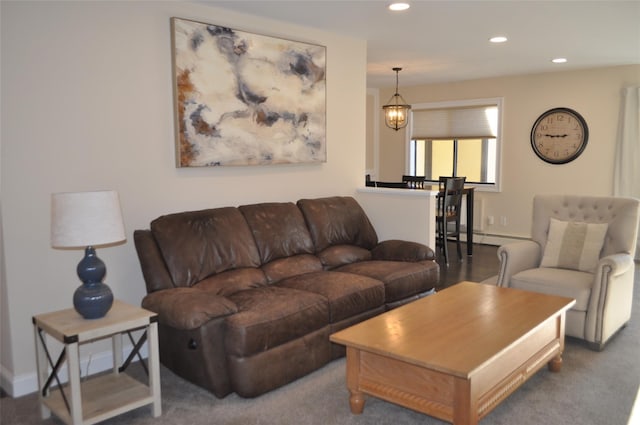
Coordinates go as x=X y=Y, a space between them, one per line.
x=188 y=308
x=516 y=257
x=611 y=298
x=398 y=250
x=617 y=264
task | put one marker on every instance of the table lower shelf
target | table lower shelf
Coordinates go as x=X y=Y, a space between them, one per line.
x=102 y=397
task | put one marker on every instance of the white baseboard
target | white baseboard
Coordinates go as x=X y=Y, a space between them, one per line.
x=17 y=386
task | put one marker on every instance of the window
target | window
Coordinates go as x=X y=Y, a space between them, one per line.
x=472 y=158
x=456 y=139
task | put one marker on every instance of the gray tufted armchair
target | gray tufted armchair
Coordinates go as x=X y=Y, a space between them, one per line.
x=603 y=294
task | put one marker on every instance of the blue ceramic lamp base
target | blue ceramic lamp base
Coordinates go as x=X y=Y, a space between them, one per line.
x=93 y=298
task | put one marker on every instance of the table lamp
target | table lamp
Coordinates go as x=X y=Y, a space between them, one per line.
x=85 y=220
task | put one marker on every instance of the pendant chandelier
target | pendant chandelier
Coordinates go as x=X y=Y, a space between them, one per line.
x=396 y=111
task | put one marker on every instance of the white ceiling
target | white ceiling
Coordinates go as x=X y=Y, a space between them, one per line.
x=444 y=41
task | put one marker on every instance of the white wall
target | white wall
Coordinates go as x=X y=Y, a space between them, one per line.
x=594 y=93
x=87 y=105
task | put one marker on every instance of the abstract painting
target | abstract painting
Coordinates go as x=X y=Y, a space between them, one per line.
x=246 y=99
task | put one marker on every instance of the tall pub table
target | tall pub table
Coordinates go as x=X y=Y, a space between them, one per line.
x=104 y=396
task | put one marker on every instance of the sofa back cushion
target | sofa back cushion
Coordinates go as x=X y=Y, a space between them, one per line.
x=198 y=244
x=279 y=230
x=232 y=281
x=337 y=220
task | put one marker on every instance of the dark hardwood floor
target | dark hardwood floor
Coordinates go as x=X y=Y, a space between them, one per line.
x=481 y=265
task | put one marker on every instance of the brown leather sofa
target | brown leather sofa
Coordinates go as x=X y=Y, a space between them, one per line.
x=247 y=297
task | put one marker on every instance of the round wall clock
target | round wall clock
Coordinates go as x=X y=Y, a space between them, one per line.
x=559 y=135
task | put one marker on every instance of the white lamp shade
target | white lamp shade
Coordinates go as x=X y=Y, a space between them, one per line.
x=81 y=219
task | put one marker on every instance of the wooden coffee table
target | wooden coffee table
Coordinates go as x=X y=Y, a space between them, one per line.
x=457 y=354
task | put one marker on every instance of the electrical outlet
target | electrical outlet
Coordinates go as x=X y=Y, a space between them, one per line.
x=503 y=220
x=490 y=220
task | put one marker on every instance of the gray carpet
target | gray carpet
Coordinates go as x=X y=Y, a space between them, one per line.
x=596 y=388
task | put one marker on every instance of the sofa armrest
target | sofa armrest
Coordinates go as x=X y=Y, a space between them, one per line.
x=154 y=270
x=188 y=308
x=398 y=250
x=516 y=257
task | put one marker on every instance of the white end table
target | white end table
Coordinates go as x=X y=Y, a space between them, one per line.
x=107 y=395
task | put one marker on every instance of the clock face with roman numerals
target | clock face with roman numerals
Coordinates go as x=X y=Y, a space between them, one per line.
x=559 y=135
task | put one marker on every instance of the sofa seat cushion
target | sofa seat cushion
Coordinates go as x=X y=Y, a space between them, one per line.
x=401 y=279
x=270 y=316
x=561 y=282
x=339 y=255
x=187 y=308
x=348 y=294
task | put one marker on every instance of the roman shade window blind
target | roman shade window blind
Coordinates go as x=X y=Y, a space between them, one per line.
x=473 y=122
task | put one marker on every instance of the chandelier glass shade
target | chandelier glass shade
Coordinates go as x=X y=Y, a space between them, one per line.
x=396 y=111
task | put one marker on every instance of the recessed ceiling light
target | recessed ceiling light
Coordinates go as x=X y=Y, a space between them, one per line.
x=399 y=6
x=559 y=60
x=498 y=39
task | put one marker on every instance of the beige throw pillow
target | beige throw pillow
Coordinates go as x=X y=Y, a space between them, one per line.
x=574 y=245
